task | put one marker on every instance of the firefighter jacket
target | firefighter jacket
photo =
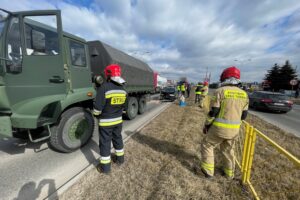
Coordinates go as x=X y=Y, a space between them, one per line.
x=198 y=89
x=182 y=87
x=231 y=104
x=204 y=90
x=109 y=104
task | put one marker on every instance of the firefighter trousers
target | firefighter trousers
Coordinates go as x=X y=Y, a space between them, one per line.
x=210 y=142
x=202 y=99
x=110 y=135
x=197 y=98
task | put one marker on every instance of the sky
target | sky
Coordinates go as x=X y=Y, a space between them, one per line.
x=186 y=38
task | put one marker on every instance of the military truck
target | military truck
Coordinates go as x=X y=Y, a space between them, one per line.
x=48 y=80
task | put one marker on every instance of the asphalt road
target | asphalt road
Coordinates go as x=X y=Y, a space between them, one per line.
x=289 y=122
x=33 y=171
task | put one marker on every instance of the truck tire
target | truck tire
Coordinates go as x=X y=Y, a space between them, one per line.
x=131 y=108
x=142 y=105
x=73 y=130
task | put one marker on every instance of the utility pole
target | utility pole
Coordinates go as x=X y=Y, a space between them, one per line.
x=206 y=74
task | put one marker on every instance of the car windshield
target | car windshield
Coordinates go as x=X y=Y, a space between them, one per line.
x=169 y=89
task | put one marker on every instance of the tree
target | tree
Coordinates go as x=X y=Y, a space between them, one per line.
x=279 y=77
x=287 y=73
x=273 y=77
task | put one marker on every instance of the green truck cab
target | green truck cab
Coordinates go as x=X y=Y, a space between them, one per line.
x=48 y=79
x=45 y=80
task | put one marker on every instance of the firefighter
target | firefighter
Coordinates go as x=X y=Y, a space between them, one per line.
x=204 y=92
x=198 y=92
x=178 y=90
x=108 y=108
x=188 y=90
x=182 y=89
x=229 y=107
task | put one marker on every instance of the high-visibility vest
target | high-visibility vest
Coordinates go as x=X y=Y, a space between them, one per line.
x=183 y=88
x=198 y=89
x=178 y=87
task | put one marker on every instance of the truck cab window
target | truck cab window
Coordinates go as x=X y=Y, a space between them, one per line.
x=41 y=39
x=78 y=56
x=14 y=49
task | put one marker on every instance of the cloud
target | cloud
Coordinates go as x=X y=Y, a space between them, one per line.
x=184 y=38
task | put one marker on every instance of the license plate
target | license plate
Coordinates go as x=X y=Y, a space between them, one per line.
x=172 y=95
x=278 y=104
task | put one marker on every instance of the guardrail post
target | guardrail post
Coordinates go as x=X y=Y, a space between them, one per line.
x=245 y=146
x=251 y=155
x=246 y=154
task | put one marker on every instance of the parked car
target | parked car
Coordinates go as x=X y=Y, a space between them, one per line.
x=289 y=93
x=168 y=93
x=272 y=101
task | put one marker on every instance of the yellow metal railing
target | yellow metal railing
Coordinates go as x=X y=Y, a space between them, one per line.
x=247 y=142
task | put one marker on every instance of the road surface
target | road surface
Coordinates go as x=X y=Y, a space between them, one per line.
x=289 y=122
x=33 y=171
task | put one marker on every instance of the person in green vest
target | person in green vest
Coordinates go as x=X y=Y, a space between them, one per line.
x=178 y=90
x=182 y=89
x=204 y=93
x=198 y=92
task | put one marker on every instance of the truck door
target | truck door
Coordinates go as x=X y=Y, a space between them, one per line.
x=37 y=47
x=78 y=62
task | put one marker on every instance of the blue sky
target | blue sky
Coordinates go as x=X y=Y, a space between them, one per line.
x=183 y=38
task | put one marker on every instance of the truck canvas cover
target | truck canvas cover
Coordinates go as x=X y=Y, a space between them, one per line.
x=137 y=74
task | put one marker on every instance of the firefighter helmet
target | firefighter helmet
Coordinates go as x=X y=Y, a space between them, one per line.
x=113 y=72
x=205 y=83
x=230 y=72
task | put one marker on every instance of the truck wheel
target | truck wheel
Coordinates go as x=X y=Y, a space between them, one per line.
x=142 y=105
x=132 y=108
x=73 y=130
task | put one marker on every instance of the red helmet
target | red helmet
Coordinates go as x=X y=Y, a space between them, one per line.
x=230 y=72
x=205 y=83
x=113 y=72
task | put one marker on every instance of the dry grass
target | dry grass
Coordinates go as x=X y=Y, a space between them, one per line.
x=160 y=162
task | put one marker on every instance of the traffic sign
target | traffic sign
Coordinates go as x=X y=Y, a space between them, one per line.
x=293 y=82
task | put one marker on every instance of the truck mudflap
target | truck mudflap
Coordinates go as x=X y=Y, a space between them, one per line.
x=5 y=127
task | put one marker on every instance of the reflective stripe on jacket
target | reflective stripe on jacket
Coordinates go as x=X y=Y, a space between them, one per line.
x=110 y=122
x=232 y=101
x=198 y=89
x=109 y=104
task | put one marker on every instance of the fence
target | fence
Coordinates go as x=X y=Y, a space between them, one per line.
x=272 y=172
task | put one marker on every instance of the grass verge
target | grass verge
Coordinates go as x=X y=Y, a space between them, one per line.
x=160 y=162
